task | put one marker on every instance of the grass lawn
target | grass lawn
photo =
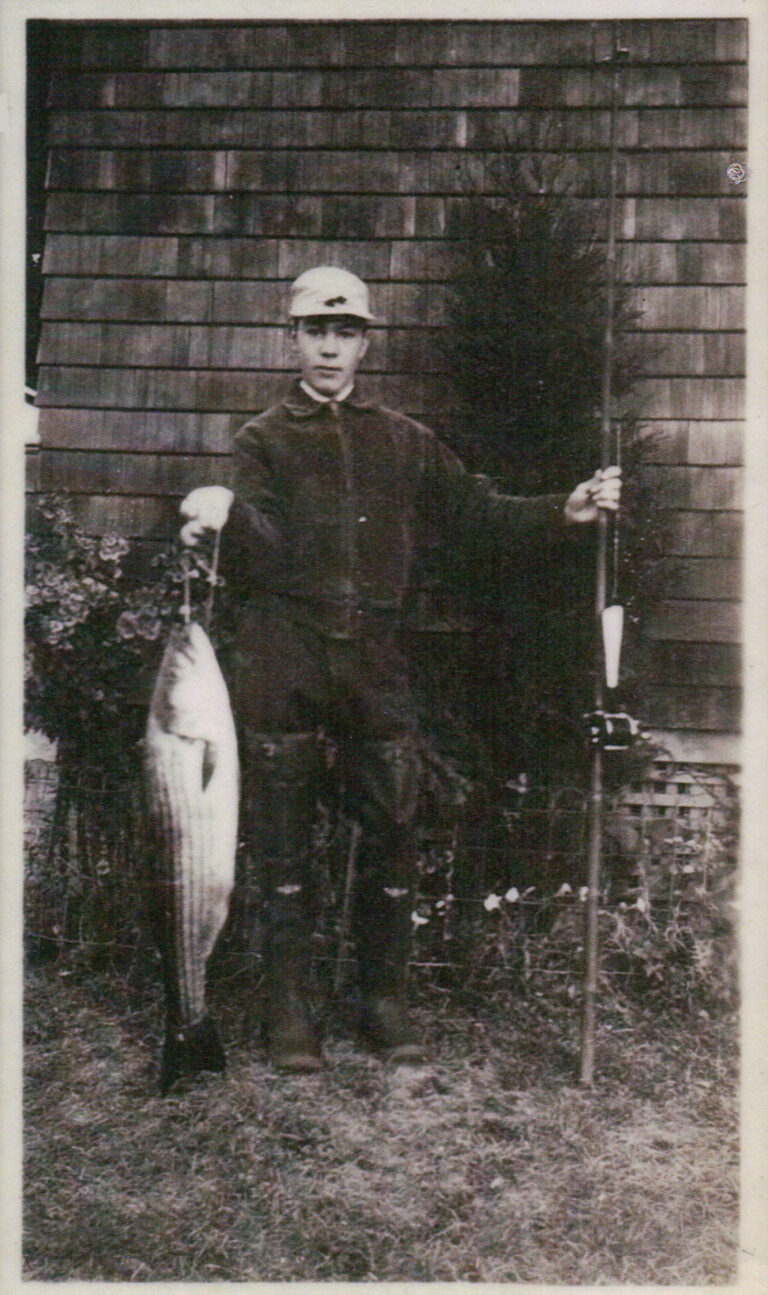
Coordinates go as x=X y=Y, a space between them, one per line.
x=488 y=1164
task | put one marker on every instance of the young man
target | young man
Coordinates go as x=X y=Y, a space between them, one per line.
x=330 y=497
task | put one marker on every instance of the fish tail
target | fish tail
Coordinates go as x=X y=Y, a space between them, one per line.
x=188 y=1051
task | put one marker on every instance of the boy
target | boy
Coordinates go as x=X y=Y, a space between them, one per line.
x=330 y=497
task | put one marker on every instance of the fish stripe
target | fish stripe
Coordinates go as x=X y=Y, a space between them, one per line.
x=193 y=828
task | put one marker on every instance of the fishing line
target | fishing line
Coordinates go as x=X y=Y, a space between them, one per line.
x=212 y=580
x=186 y=568
x=211 y=573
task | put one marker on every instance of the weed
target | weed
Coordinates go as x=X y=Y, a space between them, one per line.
x=487 y=1164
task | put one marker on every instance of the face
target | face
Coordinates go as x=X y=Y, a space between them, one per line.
x=329 y=349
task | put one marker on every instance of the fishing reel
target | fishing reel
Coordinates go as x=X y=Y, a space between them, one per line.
x=613 y=730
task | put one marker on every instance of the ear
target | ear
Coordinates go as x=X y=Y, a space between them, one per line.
x=364 y=344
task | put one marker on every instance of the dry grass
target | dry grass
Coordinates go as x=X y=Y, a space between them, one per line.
x=489 y=1164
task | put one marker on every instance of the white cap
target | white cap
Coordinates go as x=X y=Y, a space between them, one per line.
x=327 y=290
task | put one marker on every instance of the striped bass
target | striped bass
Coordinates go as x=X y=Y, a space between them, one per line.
x=191 y=795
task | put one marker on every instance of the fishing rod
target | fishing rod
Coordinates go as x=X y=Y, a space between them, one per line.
x=610 y=619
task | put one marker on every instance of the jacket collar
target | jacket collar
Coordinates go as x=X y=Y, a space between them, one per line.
x=298 y=403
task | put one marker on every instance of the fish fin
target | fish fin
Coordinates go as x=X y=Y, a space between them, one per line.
x=210 y=760
x=188 y=1051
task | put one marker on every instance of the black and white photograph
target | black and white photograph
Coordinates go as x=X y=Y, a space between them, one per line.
x=386 y=485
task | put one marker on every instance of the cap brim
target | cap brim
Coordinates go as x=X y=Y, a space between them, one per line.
x=325 y=312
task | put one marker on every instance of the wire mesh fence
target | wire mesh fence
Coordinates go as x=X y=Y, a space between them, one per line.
x=500 y=897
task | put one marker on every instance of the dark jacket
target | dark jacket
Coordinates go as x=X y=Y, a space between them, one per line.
x=332 y=502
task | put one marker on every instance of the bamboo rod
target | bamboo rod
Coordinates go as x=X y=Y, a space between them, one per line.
x=595 y=830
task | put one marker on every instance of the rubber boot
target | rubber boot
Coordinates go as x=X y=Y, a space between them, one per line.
x=293 y=1038
x=281 y=802
x=384 y=899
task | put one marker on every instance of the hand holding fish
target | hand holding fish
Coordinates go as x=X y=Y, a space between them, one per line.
x=601 y=493
x=207 y=509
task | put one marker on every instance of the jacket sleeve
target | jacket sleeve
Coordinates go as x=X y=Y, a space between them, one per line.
x=251 y=541
x=470 y=512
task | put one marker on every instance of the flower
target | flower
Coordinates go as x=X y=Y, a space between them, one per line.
x=519 y=784
x=146 y=624
x=564 y=890
x=491 y=903
x=512 y=895
x=112 y=548
x=126 y=627
x=418 y=920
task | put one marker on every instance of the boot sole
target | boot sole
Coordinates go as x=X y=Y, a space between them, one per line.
x=407 y=1053
x=297 y=1062
x=398 y=1052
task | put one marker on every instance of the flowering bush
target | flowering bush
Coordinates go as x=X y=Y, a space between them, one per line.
x=95 y=626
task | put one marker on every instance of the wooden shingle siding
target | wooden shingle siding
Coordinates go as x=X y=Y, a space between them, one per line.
x=141 y=516
x=218 y=347
x=692 y=442
x=707 y=663
x=717 y=578
x=721 y=354
x=374 y=171
x=171 y=389
x=264 y=44
x=684 y=219
x=93 y=254
x=696 y=487
x=161 y=431
x=700 y=397
x=703 y=709
x=685 y=306
x=703 y=533
x=94 y=472
x=490 y=87
x=196 y=168
x=695 y=620
x=409 y=216
x=425 y=129
x=406 y=350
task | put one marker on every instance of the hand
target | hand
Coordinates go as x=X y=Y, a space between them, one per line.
x=601 y=492
x=207 y=509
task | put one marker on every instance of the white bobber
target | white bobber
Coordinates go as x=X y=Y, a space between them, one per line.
x=613 y=629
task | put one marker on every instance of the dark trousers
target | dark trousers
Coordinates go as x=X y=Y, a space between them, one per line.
x=301 y=672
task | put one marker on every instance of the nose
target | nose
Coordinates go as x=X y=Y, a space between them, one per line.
x=330 y=343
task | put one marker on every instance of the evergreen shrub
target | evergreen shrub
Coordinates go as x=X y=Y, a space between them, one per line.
x=504 y=693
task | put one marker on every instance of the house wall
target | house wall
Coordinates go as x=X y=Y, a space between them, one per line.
x=195 y=169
